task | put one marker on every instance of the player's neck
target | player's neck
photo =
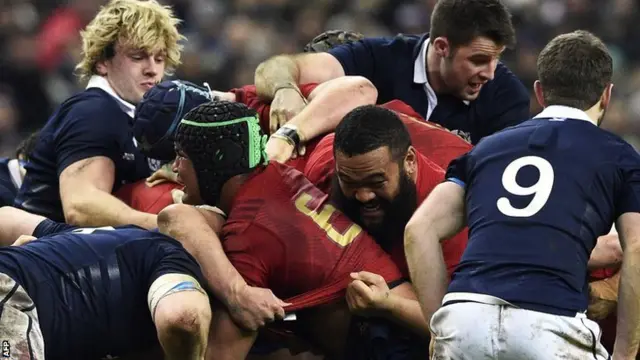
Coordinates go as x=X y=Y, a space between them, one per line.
x=433 y=71
x=229 y=191
x=594 y=113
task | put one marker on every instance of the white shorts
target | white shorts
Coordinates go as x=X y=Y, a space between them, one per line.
x=486 y=327
x=20 y=334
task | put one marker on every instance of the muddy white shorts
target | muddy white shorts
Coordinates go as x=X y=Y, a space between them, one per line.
x=481 y=327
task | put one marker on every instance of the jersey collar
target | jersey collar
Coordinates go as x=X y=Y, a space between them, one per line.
x=101 y=82
x=560 y=112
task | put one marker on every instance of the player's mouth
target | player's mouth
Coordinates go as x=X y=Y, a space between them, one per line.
x=371 y=209
x=475 y=87
x=148 y=85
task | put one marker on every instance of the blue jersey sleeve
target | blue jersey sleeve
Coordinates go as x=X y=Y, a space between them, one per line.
x=509 y=104
x=628 y=199
x=49 y=227
x=457 y=171
x=89 y=129
x=364 y=57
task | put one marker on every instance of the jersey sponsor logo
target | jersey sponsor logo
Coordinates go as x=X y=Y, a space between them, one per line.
x=154 y=164
x=128 y=157
x=466 y=136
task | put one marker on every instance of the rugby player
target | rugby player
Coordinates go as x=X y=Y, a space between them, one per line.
x=86 y=149
x=280 y=233
x=536 y=197
x=96 y=293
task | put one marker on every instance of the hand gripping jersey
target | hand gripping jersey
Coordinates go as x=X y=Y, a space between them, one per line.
x=282 y=234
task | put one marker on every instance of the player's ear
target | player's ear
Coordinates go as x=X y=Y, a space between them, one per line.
x=441 y=46
x=605 y=99
x=537 y=89
x=101 y=68
x=410 y=161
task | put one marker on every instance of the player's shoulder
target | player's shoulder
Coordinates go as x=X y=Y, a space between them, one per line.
x=400 y=45
x=92 y=105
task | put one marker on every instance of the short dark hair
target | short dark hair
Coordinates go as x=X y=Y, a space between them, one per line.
x=461 y=21
x=369 y=127
x=222 y=139
x=574 y=69
x=26 y=146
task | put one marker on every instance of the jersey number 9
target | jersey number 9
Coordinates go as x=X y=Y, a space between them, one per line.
x=540 y=190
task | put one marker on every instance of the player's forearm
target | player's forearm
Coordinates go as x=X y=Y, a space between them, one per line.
x=406 y=312
x=426 y=266
x=187 y=225
x=330 y=102
x=94 y=207
x=277 y=72
x=628 y=326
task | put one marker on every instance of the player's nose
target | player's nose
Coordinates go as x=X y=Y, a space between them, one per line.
x=364 y=195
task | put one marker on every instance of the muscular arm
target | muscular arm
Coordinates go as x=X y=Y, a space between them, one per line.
x=196 y=230
x=628 y=326
x=439 y=217
x=85 y=192
x=290 y=70
x=15 y=222
x=403 y=307
x=330 y=102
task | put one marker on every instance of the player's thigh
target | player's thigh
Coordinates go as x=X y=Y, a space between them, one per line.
x=465 y=330
x=20 y=334
x=178 y=301
x=546 y=336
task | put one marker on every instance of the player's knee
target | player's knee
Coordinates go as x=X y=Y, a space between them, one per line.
x=184 y=317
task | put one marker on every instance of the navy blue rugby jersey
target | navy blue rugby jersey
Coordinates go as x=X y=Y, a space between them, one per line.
x=90 y=123
x=390 y=64
x=538 y=195
x=9 y=184
x=90 y=285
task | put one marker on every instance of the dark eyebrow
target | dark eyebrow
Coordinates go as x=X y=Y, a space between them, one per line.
x=369 y=178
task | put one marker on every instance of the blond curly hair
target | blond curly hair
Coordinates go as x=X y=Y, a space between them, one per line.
x=144 y=25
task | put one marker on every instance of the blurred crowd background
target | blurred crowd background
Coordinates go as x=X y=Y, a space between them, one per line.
x=227 y=39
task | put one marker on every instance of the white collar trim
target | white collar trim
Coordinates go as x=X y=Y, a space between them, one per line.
x=560 y=112
x=420 y=67
x=100 y=82
x=14 y=171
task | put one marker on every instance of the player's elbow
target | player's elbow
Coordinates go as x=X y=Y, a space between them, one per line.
x=360 y=89
x=167 y=218
x=74 y=215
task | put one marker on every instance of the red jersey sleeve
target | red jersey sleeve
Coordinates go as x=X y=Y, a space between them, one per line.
x=432 y=140
x=320 y=164
x=249 y=96
x=147 y=199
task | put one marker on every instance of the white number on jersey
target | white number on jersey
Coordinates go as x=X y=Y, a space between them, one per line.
x=540 y=190
x=91 y=230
